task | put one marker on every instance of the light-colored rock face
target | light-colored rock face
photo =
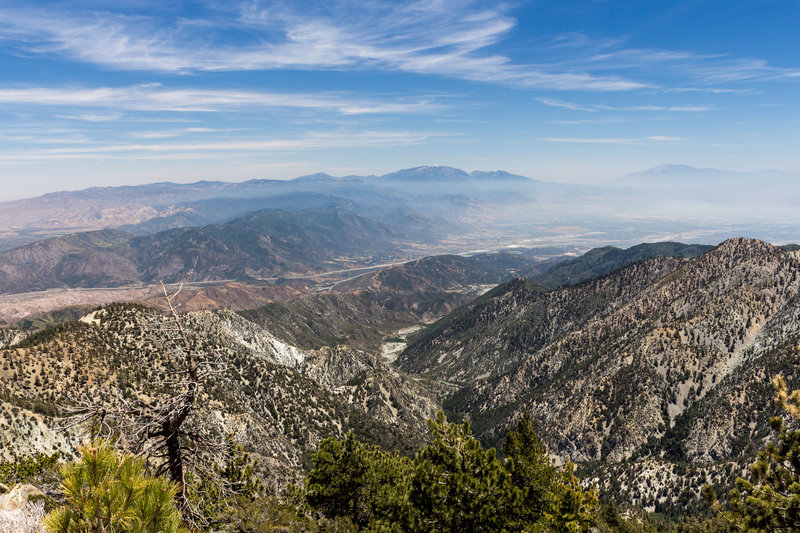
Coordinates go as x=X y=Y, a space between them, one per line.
x=26 y=519
x=10 y=336
x=24 y=431
x=332 y=367
x=392 y=348
x=238 y=331
x=18 y=497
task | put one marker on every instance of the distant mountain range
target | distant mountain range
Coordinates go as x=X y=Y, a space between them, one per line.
x=688 y=176
x=764 y=194
x=434 y=201
x=439 y=174
x=150 y=208
x=265 y=244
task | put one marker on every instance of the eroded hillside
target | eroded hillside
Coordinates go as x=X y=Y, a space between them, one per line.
x=664 y=360
x=655 y=377
x=277 y=399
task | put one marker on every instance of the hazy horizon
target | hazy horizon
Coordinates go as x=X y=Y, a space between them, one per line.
x=615 y=181
x=138 y=92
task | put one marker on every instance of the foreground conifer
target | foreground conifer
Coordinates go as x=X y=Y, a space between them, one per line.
x=107 y=491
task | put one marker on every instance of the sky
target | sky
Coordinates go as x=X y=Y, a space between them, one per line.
x=132 y=91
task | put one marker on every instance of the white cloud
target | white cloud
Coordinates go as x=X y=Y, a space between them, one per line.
x=577 y=52
x=165 y=134
x=91 y=117
x=709 y=90
x=442 y=38
x=602 y=107
x=601 y=140
x=452 y=38
x=673 y=108
x=189 y=150
x=552 y=102
x=665 y=138
x=150 y=97
x=579 y=140
x=590 y=121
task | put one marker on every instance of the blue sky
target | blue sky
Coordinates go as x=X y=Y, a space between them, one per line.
x=132 y=91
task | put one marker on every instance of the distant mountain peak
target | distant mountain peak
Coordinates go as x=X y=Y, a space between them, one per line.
x=434 y=173
x=497 y=175
x=668 y=168
x=317 y=176
x=674 y=174
x=745 y=245
x=440 y=173
x=672 y=169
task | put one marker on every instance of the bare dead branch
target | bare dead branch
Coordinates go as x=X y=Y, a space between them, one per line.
x=156 y=429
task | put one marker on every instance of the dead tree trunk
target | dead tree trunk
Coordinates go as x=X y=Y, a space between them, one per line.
x=173 y=420
x=157 y=431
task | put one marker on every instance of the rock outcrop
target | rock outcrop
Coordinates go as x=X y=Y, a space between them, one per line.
x=18 y=497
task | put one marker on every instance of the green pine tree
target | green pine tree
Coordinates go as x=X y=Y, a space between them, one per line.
x=572 y=508
x=770 y=499
x=359 y=482
x=106 y=491
x=457 y=485
x=531 y=470
x=552 y=500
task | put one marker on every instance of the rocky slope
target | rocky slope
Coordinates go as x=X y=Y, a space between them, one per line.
x=601 y=261
x=655 y=377
x=296 y=371
x=277 y=399
x=363 y=310
x=664 y=360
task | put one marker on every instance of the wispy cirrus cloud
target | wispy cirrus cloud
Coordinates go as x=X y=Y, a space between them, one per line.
x=665 y=138
x=615 y=140
x=456 y=39
x=670 y=108
x=577 y=52
x=188 y=150
x=153 y=97
x=552 y=102
x=610 y=120
x=441 y=38
x=91 y=117
x=165 y=134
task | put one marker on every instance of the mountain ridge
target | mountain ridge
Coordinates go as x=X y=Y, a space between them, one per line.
x=600 y=261
x=264 y=244
x=648 y=317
